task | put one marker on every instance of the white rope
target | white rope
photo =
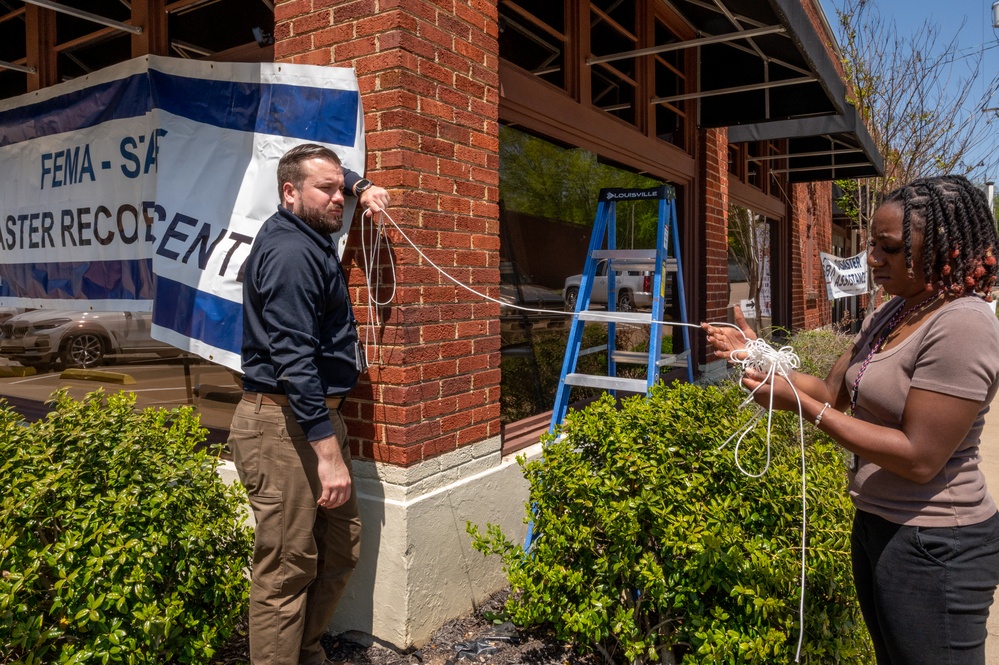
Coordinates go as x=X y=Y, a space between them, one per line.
x=773 y=363
x=610 y=317
x=758 y=355
x=373 y=269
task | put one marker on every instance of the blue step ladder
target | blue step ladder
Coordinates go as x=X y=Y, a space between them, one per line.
x=661 y=262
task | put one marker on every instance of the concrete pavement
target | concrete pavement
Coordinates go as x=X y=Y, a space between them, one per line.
x=990 y=465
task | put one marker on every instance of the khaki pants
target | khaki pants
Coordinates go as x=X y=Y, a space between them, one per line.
x=302 y=554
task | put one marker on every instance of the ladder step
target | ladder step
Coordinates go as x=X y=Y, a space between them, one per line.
x=625 y=254
x=618 y=317
x=632 y=259
x=607 y=382
x=639 y=358
x=679 y=360
x=593 y=349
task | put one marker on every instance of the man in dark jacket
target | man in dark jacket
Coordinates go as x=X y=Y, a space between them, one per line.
x=300 y=360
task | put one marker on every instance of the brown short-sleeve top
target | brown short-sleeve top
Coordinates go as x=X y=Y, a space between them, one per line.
x=954 y=352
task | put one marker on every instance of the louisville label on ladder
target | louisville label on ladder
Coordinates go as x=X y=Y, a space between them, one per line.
x=659 y=261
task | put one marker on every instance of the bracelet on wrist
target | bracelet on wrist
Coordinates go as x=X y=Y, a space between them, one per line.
x=818 y=418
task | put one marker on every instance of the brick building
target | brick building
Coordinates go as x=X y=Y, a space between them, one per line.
x=734 y=102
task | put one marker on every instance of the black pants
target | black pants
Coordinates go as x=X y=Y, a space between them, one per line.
x=925 y=592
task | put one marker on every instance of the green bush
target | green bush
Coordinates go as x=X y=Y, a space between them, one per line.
x=118 y=541
x=818 y=349
x=652 y=544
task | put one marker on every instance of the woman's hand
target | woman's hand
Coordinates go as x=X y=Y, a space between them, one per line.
x=727 y=341
x=778 y=388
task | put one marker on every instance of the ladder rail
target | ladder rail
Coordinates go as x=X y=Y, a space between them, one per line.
x=612 y=294
x=582 y=304
x=685 y=331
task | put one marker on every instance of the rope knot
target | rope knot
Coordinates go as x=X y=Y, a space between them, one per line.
x=760 y=356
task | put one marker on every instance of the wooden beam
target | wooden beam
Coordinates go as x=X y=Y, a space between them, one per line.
x=40 y=38
x=97 y=35
x=151 y=16
x=178 y=5
x=14 y=14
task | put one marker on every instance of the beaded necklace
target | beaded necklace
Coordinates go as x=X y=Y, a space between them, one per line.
x=889 y=328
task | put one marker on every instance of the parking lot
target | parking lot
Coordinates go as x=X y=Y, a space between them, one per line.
x=156 y=382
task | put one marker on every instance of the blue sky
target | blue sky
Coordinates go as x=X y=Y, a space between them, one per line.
x=976 y=35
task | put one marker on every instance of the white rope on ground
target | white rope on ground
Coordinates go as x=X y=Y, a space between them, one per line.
x=758 y=355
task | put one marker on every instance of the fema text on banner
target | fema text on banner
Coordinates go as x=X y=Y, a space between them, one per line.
x=141 y=186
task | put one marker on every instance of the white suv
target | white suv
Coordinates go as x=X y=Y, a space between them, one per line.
x=634 y=289
x=77 y=339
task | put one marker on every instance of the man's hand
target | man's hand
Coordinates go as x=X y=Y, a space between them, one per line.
x=374 y=199
x=333 y=473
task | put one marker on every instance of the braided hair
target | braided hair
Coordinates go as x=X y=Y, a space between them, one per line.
x=960 y=242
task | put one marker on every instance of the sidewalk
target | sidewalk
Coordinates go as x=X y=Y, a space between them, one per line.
x=990 y=465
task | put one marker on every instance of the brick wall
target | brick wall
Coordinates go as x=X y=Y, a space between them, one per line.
x=427 y=71
x=811 y=232
x=713 y=221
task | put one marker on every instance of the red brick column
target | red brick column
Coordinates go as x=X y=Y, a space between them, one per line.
x=429 y=83
x=811 y=233
x=713 y=219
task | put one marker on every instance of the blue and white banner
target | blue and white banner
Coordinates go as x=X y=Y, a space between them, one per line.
x=141 y=187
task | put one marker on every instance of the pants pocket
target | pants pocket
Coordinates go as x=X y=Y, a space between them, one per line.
x=245 y=445
x=267 y=542
x=937 y=544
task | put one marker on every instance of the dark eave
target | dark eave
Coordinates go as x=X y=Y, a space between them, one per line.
x=830 y=147
x=766 y=75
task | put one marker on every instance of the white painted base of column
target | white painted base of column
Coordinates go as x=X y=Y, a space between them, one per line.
x=417 y=568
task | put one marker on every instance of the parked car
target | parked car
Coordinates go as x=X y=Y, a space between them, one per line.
x=7 y=312
x=634 y=289
x=77 y=339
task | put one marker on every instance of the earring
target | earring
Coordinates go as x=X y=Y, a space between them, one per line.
x=909 y=273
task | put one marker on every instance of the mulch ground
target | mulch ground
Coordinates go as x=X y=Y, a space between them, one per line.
x=475 y=638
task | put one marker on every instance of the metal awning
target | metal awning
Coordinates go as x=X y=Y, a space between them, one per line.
x=822 y=148
x=765 y=73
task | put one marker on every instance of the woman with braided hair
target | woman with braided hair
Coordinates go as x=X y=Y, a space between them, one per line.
x=908 y=401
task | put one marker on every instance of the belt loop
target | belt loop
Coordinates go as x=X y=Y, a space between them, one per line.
x=257 y=402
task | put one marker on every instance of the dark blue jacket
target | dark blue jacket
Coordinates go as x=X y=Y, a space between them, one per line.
x=299 y=332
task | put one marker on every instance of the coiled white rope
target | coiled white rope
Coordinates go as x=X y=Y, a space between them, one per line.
x=757 y=355
x=374 y=236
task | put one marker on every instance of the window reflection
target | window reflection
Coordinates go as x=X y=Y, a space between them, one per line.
x=548 y=202
x=42 y=351
x=534 y=40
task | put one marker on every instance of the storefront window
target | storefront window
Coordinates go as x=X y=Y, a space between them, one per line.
x=532 y=36
x=548 y=203
x=749 y=266
x=42 y=351
x=614 y=84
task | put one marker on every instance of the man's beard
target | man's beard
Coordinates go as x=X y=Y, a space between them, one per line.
x=317 y=220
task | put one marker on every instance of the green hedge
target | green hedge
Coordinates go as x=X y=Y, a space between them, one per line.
x=652 y=545
x=118 y=541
